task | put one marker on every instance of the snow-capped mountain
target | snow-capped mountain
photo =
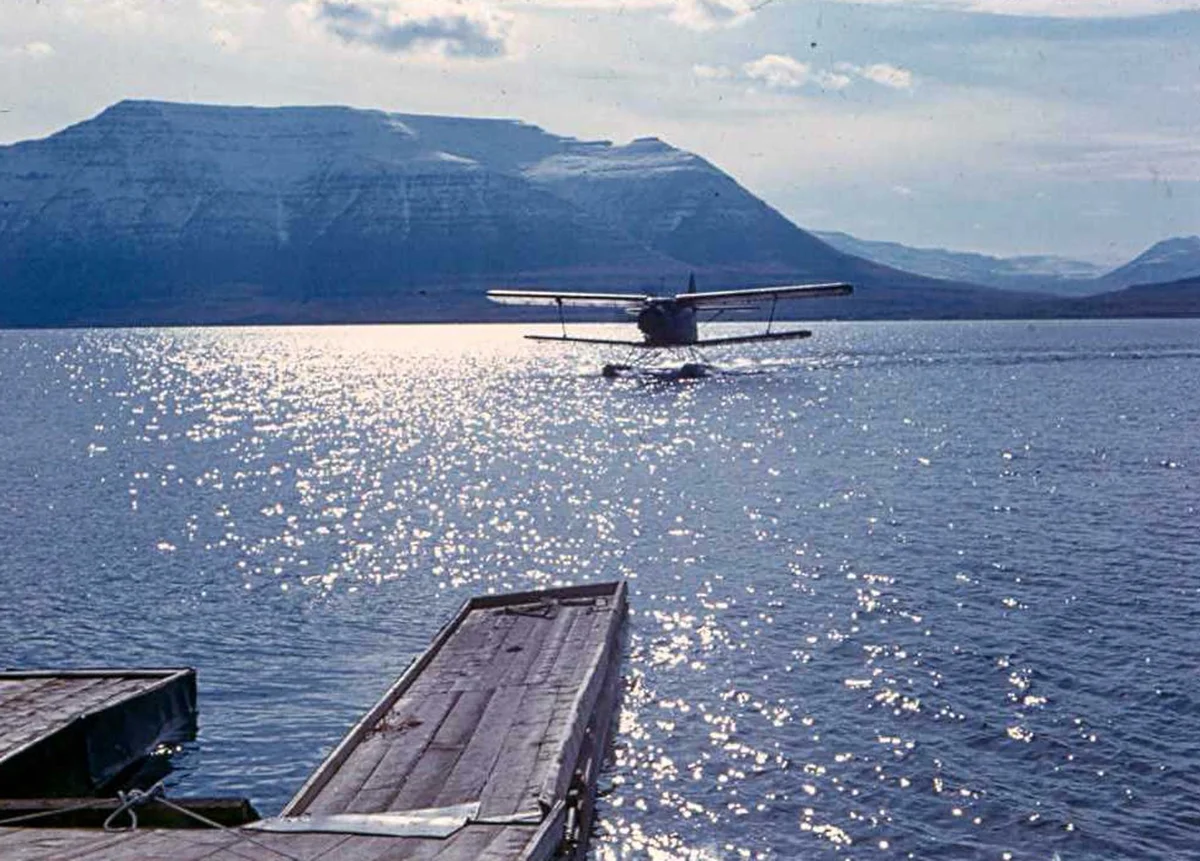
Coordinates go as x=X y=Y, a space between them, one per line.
x=153 y=202
x=168 y=212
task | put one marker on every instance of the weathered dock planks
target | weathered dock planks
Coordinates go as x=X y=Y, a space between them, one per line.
x=69 y=733
x=507 y=712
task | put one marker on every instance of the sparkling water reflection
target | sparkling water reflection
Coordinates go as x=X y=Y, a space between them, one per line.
x=916 y=590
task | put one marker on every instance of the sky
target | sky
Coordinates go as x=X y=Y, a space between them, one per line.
x=1066 y=127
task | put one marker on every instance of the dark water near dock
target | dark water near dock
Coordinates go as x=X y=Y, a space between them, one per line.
x=925 y=590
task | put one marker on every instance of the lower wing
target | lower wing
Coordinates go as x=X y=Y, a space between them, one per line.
x=747 y=339
x=575 y=340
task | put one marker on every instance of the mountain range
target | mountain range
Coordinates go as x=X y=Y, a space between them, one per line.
x=1167 y=261
x=165 y=213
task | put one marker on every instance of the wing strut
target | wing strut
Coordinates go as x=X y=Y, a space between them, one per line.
x=562 y=317
x=771 y=319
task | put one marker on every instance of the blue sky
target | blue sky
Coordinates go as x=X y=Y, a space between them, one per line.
x=1006 y=126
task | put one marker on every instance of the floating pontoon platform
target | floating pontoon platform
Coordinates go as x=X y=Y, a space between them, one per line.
x=488 y=748
x=72 y=733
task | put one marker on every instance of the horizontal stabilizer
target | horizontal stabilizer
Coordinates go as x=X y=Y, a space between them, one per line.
x=570 y=300
x=738 y=299
x=762 y=336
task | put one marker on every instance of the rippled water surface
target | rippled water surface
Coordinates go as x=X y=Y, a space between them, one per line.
x=903 y=590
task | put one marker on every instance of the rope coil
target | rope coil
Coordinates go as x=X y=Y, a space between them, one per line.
x=130 y=801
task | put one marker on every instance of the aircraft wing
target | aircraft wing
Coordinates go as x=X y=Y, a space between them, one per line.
x=741 y=299
x=750 y=339
x=571 y=339
x=570 y=300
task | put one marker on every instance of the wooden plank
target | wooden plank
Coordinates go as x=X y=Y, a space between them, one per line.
x=523 y=651
x=264 y=845
x=482 y=670
x=468 y=844
x=52 y=699
x=556 y=641
x=19 y=713
x=564 y=682
x=359 y=847
x=509 y=844
x=104 y=692
x=421 y=721
x=505 y=793
x=68 y=845
x=176 y=845
x=385 y=755
x=21 y=688
x=582 y=709
x=549 y=749
x=338 y=794
x=466 y=780
x=518 y=771
x=448 y=744
x=375 y=770
x=565 y=667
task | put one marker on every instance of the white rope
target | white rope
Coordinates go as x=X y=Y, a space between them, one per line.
x=130 y=801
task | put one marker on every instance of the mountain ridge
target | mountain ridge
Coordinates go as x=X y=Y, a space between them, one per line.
x=1169 y=260
x=1037 y=273
x=162 y=212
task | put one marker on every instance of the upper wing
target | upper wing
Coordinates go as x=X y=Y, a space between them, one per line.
x=575 y=300
x=741 y=299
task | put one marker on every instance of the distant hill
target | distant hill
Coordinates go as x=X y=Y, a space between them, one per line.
x=158 y=212
x=1058 y=276
x=1160 y=281
x=1168 y=261
x=1171 y=299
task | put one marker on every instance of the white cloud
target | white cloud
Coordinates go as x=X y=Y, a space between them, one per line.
x=778 y=71
x=712 y=73
x=225 y=39
x=781 y=72
x=710 y=14
x=409 y=26
x=37 y=49
x=834 y=80
x=693 y=14
x=888 y=75
x=1053 y=8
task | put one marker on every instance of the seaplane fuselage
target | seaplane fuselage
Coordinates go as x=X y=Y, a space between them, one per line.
x=666 y=323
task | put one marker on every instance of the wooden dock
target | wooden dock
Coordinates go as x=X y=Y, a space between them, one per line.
x=72 y=733
x=488 y=747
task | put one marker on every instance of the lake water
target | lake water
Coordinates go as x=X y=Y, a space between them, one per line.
x=922 y=590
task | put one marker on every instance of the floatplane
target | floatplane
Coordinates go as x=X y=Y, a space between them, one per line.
x=672 y=322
